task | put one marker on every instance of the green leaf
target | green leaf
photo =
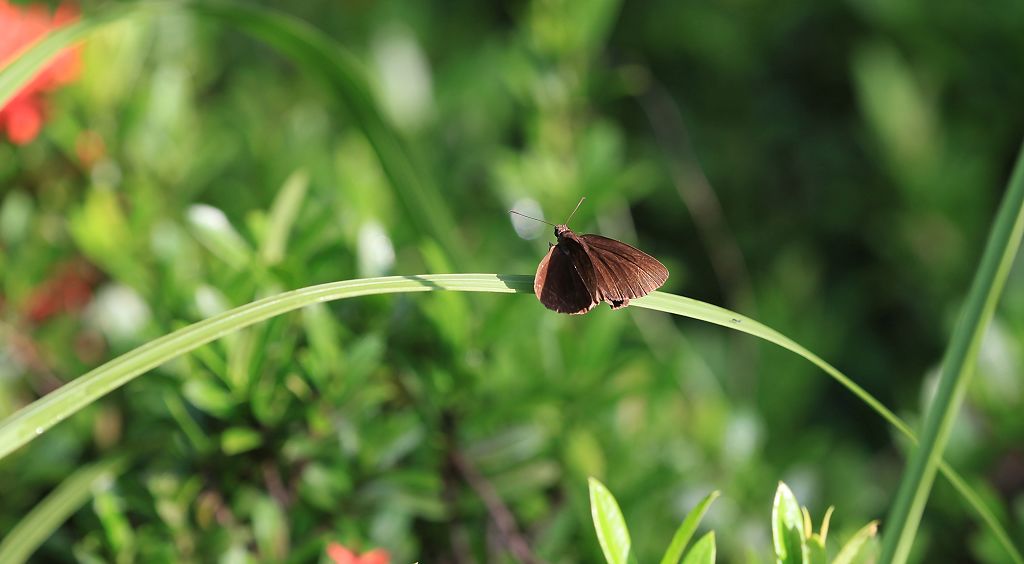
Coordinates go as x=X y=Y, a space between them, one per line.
x=110 y=509
x=823 y=533
x=685 y=531
x=787 y=527
x=48 y=515
x=283 y=214
x=323 y=486
x=210 y=397
x=101 y=231
x=237 y=440
x=213 y=230
x=609 y=524
x=270 y=527
x=957 y=367
x=703 y=551
x=816 y=542
x=241 y=354
x=195 y=433
x=862 y=548
x=816 y=553
x=16 y=213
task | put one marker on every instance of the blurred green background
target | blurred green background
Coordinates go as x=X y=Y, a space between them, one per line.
x=829 y=169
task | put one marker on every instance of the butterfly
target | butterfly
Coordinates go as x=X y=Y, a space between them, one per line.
x=582 y=271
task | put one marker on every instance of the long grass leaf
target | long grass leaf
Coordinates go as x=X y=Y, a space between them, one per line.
x=50 y=513
x=957 y=367
x=34 y=419
x=42 y=414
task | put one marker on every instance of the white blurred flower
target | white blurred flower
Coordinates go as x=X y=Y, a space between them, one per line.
x=404 y=76
x=210 y=301
x=376 y=254
x=118 y=312
x=209 y=217
x=742 y=438
x=999 y=361
x=166 y=240
x=528 y=228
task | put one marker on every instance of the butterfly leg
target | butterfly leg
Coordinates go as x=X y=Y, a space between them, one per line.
x=618 y=304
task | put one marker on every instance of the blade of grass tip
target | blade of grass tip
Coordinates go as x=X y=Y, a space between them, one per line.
x=48 y=515
x=312 y=50
x=957 y=368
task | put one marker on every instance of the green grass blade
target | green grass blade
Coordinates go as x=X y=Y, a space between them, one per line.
x=34 y=419
x=49 y=410
x=48 y=515
x=685 y=531
x=957 y=368
x=312 y=50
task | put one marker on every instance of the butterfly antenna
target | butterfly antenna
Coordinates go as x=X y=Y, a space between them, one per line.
x=533 y=218
x=574 y=210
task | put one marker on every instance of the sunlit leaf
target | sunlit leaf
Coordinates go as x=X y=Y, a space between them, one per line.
x=609 y=524
x=703 y=551
x=787 y=527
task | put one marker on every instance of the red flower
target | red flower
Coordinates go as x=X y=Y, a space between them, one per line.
x=341 y=555
x=67 y=290
x=22 y=116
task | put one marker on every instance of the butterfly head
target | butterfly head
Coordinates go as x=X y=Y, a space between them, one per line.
x=563 y=229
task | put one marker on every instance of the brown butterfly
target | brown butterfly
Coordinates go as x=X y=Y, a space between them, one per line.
x=582 y=271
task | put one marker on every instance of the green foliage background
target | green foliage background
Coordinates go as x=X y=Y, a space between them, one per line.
x=857 y=151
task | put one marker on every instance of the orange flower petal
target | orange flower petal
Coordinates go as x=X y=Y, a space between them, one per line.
x=22 y=117
x=341 y=555
x=375 y=556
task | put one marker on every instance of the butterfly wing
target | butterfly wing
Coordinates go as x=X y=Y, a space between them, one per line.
x=622 y=272
x=559 y=284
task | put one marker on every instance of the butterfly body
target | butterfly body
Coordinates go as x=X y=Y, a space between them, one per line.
x=582 y=271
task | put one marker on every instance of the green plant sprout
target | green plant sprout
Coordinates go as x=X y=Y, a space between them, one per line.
x=793 y=538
